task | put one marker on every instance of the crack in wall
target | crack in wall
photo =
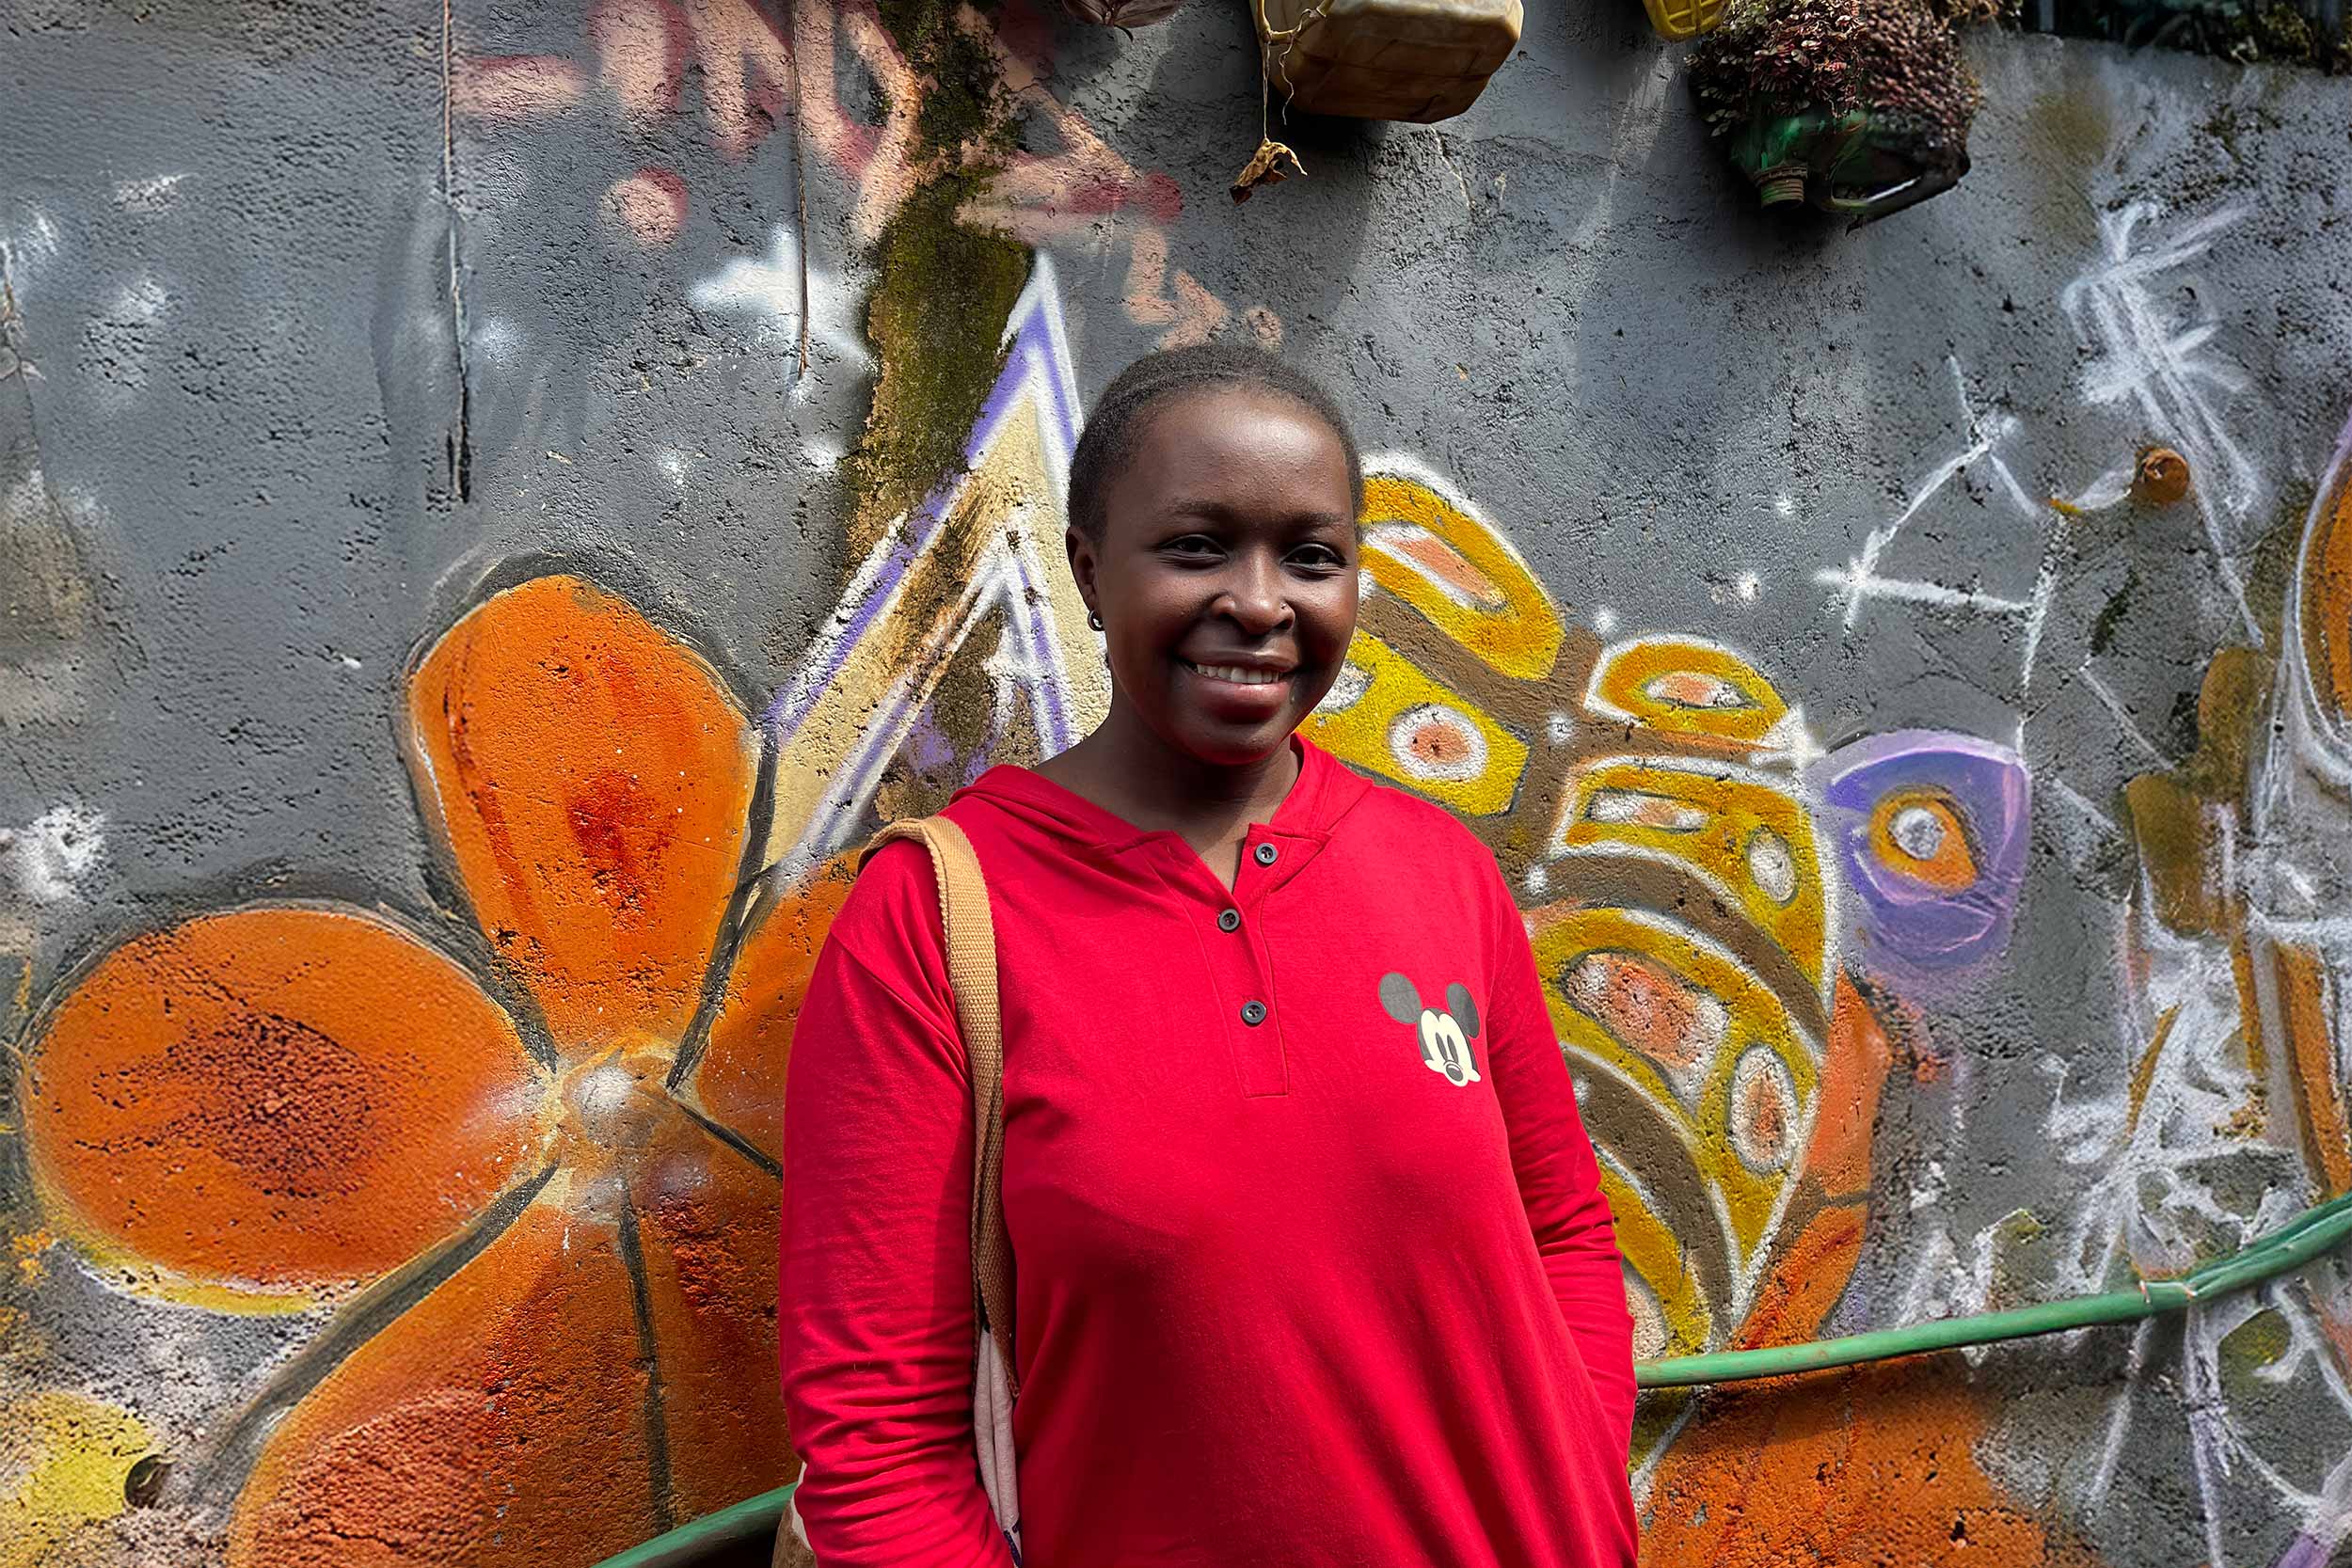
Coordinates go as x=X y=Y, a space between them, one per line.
x=458 y=444
x=17 y=365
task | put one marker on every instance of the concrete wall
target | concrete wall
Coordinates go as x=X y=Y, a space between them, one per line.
x=451 y=638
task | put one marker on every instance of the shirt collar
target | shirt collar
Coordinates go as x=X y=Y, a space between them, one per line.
x=1323 y=793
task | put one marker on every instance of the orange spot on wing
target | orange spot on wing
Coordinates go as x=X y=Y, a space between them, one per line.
x=1697 y=689
x=1445 y=565
x=591 y=778
x=1679 y=687
x=1651 y=1010
x=275 y=1100
x=1764 y=1113
x=1440 y=745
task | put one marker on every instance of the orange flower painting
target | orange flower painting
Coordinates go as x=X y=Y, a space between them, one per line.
x=533 y=1173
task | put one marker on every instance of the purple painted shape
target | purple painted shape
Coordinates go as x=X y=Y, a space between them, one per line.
x=1038 y=384
x=1037 y=372
x=2306 y=1553
x=1904 y=917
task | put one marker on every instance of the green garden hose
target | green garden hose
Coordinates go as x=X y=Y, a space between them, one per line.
x=2289 y=1247
x=744 y=1528
x=2284 y=1250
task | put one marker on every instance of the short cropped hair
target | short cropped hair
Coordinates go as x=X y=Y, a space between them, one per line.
x=1126 y=404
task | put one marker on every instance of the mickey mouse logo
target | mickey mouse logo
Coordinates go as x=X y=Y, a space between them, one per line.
x=1445 y=1036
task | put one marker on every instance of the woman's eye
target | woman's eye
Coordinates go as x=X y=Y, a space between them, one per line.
x=1317 y=558
x=1192 y=547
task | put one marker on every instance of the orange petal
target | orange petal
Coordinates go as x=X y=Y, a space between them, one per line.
x=740 y=1080
x=273 y=1101
x=497 y=1423
x=591 y=776
x=1808 y=1276
x=706 y=1221
x=1853 y=1071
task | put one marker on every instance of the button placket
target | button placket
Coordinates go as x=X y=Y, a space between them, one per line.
x=1237 y=962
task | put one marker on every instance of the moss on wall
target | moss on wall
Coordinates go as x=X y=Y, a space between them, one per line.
x=939 y=284
x=941 y=280
x=965 y=107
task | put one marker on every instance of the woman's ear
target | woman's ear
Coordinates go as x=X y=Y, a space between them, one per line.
x=1080 y=550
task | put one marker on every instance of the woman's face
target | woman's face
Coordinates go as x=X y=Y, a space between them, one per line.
x=1226 y=573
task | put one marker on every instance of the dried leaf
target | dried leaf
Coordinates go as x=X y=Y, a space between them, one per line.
x=1265 y=168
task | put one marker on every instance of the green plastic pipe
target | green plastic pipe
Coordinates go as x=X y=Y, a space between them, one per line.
x=750 y=1525
x=2289 y=1247
x=753 y=1521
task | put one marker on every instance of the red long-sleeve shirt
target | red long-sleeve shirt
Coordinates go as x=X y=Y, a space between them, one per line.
x=1303 y=1277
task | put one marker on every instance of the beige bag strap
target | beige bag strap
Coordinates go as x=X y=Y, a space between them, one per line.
x=972 y=974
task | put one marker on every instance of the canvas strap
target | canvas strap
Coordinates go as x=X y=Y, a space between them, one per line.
x=972 y=975
x=970 y=933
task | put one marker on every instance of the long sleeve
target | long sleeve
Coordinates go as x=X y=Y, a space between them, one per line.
x=874 y=1314
x=1559 y=1177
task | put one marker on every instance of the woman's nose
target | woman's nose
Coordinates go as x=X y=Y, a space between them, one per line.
x=1255 y=597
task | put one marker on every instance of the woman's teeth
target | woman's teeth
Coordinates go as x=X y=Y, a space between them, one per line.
x=1235 y=673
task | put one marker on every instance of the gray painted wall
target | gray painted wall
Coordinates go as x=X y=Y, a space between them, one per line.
x=228 y=523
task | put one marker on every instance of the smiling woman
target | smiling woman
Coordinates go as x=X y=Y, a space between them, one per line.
x=1280 y=1091
x=1227 y=595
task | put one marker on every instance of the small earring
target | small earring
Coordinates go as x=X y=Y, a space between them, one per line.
x=1094 y=620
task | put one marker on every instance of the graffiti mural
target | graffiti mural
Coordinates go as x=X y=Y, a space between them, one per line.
x=757 y=71
x=2237 y=942
x=389 y=1169
x=550 y=1170
x=1673 y=879
x=481 y=1154
x=540 y=1154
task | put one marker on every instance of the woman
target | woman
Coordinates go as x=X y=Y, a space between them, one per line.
x=1312 y=1264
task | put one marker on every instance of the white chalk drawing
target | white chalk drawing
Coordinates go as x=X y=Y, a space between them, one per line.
x=1861 y=582
x=2156 y=354
x=2185 y=1143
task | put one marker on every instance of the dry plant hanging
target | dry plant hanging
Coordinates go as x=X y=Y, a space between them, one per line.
x=1126 y=15
x=1859 y=107
x=1266 y=164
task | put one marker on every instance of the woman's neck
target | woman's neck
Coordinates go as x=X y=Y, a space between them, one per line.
x=1127 y=769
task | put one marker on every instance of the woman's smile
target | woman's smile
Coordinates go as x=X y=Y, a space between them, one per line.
x=1237 y=675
